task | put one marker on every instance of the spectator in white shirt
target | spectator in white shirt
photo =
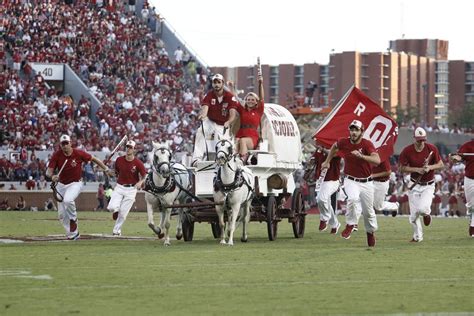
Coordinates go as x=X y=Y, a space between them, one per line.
x=178 y=55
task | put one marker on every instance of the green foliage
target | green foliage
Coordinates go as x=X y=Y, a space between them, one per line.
x=406 y=115
x=466 y=119
x=318 y=274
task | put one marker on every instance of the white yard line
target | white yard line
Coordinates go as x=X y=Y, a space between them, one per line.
x=27 y=274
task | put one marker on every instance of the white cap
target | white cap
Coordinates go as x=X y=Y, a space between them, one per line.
x=130 y=143
x=64 y=138
x=357 y=124
x=419 y=134
x=218 y=77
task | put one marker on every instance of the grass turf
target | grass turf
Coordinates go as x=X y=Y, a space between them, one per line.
x=318 y=274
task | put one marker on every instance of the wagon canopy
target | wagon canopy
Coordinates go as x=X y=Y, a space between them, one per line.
x=279 y=128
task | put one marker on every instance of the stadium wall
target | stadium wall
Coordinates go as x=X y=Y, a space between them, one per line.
x=86 y=201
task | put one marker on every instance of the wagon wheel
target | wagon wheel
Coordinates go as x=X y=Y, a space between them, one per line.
x=188 y=228
x=272 y=222
x=297 y=207
x=216 y=229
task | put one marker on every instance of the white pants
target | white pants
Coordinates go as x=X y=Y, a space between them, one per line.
x=360 y=200
x=419 y=200
x=121 y=201
x=67 y=208
x=380 y=192
x=469 y=192
x=326 y=212
x=212 y=131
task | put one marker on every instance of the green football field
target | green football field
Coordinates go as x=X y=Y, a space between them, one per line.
x=318 y=274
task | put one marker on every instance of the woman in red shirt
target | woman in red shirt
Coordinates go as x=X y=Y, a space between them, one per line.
x=250 y=116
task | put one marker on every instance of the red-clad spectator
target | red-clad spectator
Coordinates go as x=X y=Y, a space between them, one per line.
x=30 y=183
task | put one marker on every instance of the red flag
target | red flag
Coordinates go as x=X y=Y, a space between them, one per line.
x=380 y=128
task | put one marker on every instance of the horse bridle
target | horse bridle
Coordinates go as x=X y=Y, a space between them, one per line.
x=227 y=153
x=157 y=165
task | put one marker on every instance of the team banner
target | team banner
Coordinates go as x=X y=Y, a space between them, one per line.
x=380 y=128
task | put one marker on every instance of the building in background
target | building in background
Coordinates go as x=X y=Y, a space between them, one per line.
x=413 y=78
x=432 y=48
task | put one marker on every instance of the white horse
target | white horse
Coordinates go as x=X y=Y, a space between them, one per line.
x=233 y=187
x=163 y=187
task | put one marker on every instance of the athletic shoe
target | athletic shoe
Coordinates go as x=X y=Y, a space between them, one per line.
x=471 y=231
x=75 y=236
x=356 y=227
x=371 y=239
x=115 y=215
x=322 y=226
x=117 y=234
x=394 y=213
x=416 y=240
x=346 y=233
x=334 y=230
x=427 y=220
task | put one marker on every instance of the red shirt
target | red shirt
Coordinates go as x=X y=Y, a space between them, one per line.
x=382 y=167
x=72 y=172
x=468 y=148
x=334 y=171
x=356 y=167
x=219 y=111
x=129 y=171
x=410 y=157
x=250 y=121
x=121 y=88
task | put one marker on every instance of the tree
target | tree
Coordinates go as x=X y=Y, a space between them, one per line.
x=467 y=116
x=404 y=116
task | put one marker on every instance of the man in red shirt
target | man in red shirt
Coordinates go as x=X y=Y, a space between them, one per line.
x=329 y=186
x=130 y=173
x=466 y=153
x=69 y=161
x=359 y=155
x=215 y=112
x=30 y=183
x=420 y=159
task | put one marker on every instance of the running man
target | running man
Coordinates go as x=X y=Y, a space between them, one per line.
x=420 y=159
x=69 y=183
x=466 y=154
x=131 y=174
x=359 y=156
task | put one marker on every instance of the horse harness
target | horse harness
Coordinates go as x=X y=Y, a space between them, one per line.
x=169 y=186
x=239 y=180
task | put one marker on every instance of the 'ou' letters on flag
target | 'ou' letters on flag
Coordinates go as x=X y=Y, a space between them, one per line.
x=380 y=128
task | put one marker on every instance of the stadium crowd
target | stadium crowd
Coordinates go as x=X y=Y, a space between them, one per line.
x=143 y=93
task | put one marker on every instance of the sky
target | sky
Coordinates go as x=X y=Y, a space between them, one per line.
x=233 y=33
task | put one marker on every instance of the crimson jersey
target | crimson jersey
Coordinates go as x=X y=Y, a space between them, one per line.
x=410 y=157
x=468 y=148
x=72 y=172
x=356 y=167
x=334 y=171
x=219 y=111
x=129 y=171
x=382 y=167
x=250 y=121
